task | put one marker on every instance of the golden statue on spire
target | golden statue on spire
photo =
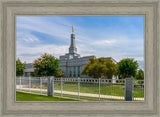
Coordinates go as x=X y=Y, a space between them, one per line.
x=72 y=28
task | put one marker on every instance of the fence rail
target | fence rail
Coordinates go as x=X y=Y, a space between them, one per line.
x=82 y=88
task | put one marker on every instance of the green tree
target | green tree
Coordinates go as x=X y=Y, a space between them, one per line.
x=140 y=74
x=127 y=68
x=100 y=68
x=46 y=65
x=60 y=74
x=19 y=68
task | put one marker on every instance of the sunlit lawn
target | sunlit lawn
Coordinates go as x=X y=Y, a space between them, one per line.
x=21 y=96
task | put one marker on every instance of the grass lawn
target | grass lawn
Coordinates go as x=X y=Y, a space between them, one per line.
x=20 y=96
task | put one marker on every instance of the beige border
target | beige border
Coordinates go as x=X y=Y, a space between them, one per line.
x=11 y=8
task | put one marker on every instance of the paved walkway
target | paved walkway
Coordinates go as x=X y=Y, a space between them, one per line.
x=80 y=94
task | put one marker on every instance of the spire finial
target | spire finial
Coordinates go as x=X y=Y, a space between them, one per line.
x=72 y=28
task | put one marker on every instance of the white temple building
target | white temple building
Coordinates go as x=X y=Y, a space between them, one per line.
x=72 y=63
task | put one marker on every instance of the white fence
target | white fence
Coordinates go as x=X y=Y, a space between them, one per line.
x=82 y=88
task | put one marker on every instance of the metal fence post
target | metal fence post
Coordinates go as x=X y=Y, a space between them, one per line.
x=128 y=89
x=132 y=90
x=99 y=88
x=29 y=84
x=52 y=86
x=40 y=85
x=20 y=82
x=61 y=87
x=78 y=87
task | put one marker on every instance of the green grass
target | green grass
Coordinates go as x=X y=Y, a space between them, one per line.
x=21 y=96
x=114 y=90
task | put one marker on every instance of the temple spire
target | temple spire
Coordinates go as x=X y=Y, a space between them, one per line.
x=72 y=48
x=72 y=29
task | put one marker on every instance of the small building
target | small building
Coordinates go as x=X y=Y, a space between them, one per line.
x=29 y=70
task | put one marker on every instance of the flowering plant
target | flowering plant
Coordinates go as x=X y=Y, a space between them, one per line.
x=46 y=65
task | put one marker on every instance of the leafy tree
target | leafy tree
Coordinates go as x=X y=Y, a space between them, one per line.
x=60 y=74
x=140 y=74
x=127 y=68
x=100 y=68
x=46 y=65
x=19 y=68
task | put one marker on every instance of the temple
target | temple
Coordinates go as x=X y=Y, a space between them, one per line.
x=72 y=63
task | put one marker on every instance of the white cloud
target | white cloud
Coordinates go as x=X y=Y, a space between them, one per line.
x=103 y=42
x=139 y=58
x=29 y=54
x=38 y=24
x=27 y=37
x=116 y=48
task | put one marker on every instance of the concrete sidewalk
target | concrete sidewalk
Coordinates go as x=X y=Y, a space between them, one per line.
x=80 y=94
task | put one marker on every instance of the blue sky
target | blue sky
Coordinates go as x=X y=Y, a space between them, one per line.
x=103 y=36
